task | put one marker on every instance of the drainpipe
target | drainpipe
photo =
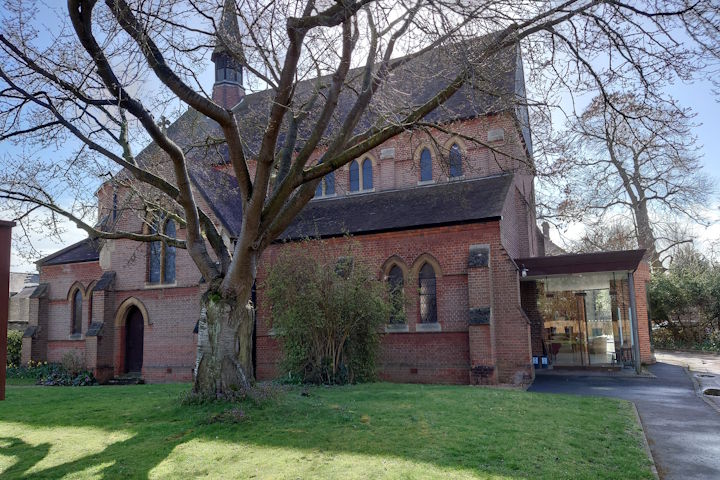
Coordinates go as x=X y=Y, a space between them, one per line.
x=5 y=229
x=634 y=323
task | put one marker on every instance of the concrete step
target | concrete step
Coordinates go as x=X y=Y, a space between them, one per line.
x=127 y=379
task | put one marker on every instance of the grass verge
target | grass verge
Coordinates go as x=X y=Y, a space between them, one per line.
x=366 y=431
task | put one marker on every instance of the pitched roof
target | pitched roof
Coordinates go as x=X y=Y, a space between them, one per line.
x=494 y=86
x=424 y=206
x=87 y=250
x=221 y=191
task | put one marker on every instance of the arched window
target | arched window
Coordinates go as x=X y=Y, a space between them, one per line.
x=326 y=187
x=361 y=183
x=154 y=255
x=169 y=257
x=367 y=174
x=161 y=256
x=428 y=294
x=354 y=176
x=396 y=284
x=425 y=165
x=329 y=182
x=456 y=169
x=77 y=312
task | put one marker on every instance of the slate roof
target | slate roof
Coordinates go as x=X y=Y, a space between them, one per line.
x=105 y=281
x=424 y=206
x=87 y=250
x=495 y=86
x=221 y=191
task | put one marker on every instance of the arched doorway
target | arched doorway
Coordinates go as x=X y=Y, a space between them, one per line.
x=134 y=334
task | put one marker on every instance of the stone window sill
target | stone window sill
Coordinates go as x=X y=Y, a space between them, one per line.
x=428 y=327
x=396 y=328
x=359 y=192
x=426 y=182
x=322 y=197
x=76 y=336
x=151 y=286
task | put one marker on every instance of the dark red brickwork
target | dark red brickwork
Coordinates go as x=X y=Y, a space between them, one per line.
x=448 y=355
x=498 y=351
x=642 y=277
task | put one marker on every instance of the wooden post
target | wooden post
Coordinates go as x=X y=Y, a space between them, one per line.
x=5 y=230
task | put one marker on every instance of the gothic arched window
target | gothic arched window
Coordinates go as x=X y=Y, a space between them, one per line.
x=354 y=176
x=77 y=312
x=161 y=256
x=169 y=256
x=425 y=165
x=456 y=168
x=396 y=284
x=367 y=174
x=428 y=294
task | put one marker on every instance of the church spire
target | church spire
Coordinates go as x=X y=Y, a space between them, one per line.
x=228 y=88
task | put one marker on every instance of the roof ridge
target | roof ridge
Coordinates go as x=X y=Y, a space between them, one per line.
x=67 y=249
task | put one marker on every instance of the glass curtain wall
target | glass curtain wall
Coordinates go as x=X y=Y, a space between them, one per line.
x=586 y=319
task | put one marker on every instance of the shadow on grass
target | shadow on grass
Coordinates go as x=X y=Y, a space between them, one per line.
x=463 y=430
x=26 y=454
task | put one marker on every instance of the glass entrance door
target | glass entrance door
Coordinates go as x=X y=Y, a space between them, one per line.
x=565 y=328
x=579 y=329
x=599 y=324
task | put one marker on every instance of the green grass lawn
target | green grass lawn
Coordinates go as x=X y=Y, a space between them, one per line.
x=366 y=431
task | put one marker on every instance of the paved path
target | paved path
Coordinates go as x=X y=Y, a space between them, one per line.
x=683 y=431
x=704 y=367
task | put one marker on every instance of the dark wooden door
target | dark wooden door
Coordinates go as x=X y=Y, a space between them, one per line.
x=134 y=341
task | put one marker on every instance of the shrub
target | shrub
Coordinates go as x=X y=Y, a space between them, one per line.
x=685 y=303
x=329 y=312
x=73 y=363
x=51 y=374
x=14 y=347
x=31 y=371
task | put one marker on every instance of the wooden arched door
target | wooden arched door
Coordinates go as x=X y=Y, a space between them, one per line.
x=134 y=332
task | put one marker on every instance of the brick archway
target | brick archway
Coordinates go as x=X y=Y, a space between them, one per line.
x=122 y=310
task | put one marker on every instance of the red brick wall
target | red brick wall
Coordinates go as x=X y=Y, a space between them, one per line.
x=642 y=277
x=57 y=321
x=169 y=343
x=438 y=357
x=403 y=171
x=169 y=348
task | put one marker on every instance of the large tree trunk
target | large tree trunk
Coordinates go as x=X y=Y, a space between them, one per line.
x=646 y=237
x=224 y=354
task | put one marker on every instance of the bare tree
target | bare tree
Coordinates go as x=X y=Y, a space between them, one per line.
x=612 y=236
x=89 y=80
x=634 y=158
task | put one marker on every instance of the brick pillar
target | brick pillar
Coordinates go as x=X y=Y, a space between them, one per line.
x=91 y=354
x=513 y=351
x=100 y=338
x=642 y=277
x=480 y=318
x=5 y=235
x=34 y=343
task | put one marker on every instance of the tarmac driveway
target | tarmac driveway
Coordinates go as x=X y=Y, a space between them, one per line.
x=683 y=431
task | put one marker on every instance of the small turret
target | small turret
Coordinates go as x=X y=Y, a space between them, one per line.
x=228 y=88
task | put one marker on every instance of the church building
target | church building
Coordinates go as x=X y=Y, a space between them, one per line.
x=449 y=220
